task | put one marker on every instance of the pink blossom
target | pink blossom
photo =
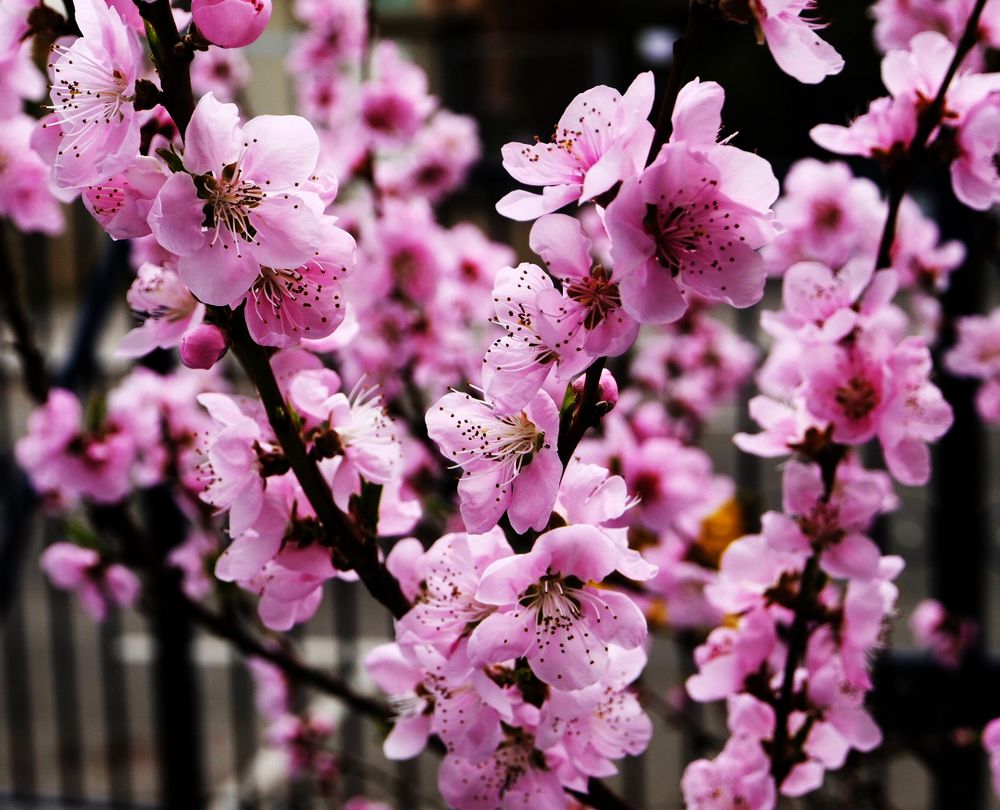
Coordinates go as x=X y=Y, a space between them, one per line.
x=286 y=305
x=445 y=696
x=238 y=206
x=974 y=174
x=74 y=568
x=947 y=637
x=601 y=722
x=191 y=557
x=793 y=41
x=222 y=72
x=517 y=364
x=121 y=203
x=26 y=196
x=601 y=139
x=510 y=462
x=590 y=304
x=436 y=163
x=168 y=307
x=394 y=101
x=93 y=87
x=991 y=742
x=237 y=449
x=828 y=216
x=352 y=432
x=976 y=353
x=731 y=654
x=898 y=21
x=547 y=614
x=444 y=581
x=676 y=227
x=739 y=777
x=203 y=346
x=63 y=460
x=231 y=23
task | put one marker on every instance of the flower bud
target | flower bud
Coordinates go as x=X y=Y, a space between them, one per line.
x=231 y=23
x=607 y=397
x=203 y=346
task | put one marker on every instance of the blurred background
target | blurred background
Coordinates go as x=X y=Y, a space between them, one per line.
x=78 y=701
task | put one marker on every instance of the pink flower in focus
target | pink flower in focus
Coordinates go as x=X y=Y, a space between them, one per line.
x=121 y=203
x=285 y=306
x=547 y=613
x=203 y=346
x=93 y=87
x=601 y=139
x=231 y=23
x=590 y=303
x=518 y=363
x=239 y=205
x=510 y=462
x=601 y=722
x=168 y=307
x=675 y=227
x=793 y=41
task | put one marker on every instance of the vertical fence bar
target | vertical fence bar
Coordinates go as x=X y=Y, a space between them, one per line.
x=67 y=696
x=116 y=710
x=345 y=623
x=244 y=729
x=959 y=543
x=21 y=738
x=176 y=705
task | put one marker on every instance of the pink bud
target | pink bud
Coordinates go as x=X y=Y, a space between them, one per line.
x=608 y=396
x=231 y=23
x=203 y=346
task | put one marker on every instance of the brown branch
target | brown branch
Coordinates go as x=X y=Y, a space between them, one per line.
x=699 y=14
x=33 y=370
x=900 y=173
x=249 y=645
x=358 y=550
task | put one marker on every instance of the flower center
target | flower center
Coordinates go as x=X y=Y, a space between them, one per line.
x=856 y=398
x=597 y=294
x=229 y=199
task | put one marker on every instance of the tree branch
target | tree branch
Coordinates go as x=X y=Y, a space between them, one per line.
x=900 y=173
x=33 y=370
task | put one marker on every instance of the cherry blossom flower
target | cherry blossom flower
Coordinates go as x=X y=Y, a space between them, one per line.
x=96 y=582
x=239 y=205
x=974 y=173
x=444 y=581
x=517 y=775
x=284 y=306
x=676 y=225
x=793 y=41
x=121 y=203
x=93 y=89
x=510 y=462
x=591 y=303
x=601 y=722
x=517 y=364
x=168 y=307
x=546 y=612
x=231 y=23
x=26 y=195
x=67 y=462
x=601 y=139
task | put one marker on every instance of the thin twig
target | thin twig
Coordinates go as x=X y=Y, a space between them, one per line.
x=33 y=369
x=900 y=173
